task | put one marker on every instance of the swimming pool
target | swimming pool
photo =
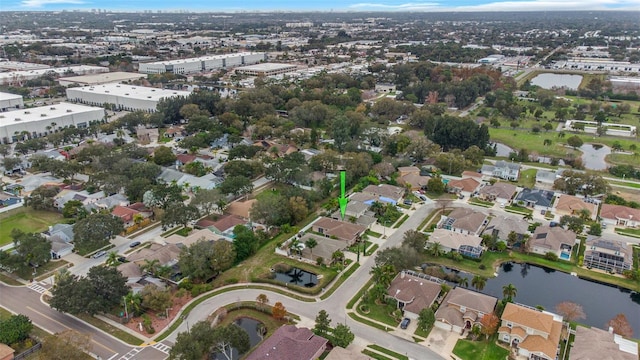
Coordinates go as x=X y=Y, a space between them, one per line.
x=565 y=256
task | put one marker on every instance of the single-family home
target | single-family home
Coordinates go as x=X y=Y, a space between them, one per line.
x=410 y=176
x=414 y=292
x=500 y=192
x=385 y=192
x=59 y=247
x=618 y=215
x=608 y=255
x=535 y=333
x=276 y=150
x=7 y=199
x=503 y=170
x=6 y=352
x=184 y=159
x=223 y=224
x=325 y=247
x=593 y=343
x=83 y=196
x=129 y=214
x=466 y=186
x=131 y=271
x=573 y=205
x=167 y=255
x=192 y=238
x=241 y=208
x=552 y=239
x=464 y=220
x=61 y=231
x=462 y=308
x=535 y=198
x=468 y=245
x=341 y=230
x=548 y=177
x=175 y=132
x=146 y=136
x=112 y=201
x=354 y=209
x=500 y=226
x=472 y=174
x=290 y=342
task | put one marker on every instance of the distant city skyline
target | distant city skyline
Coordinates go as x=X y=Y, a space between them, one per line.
x=327 y=5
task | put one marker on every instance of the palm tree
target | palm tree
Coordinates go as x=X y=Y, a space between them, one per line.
x=435 y=249
x=163 y=271
x=311 y=243
x=133 y=303
x=112 y=259
x=337 y=256
x=383 y=274
x=464 y=282
x=150 y=266
x=509 y=292
x=478 y=282
x=528 y=217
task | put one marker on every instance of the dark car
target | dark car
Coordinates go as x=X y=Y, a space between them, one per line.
x=134 y=244
x=405 y=323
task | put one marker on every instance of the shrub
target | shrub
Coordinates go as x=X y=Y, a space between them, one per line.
x=319 y=260
x=231 y=281
x=551 y=256
x=482 y=266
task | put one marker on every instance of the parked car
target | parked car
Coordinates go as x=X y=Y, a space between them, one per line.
x=405 y=323
x=408 y=202
x=134 y=244
x=99 y=254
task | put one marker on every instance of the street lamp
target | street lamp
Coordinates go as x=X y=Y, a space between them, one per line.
x=184 y=317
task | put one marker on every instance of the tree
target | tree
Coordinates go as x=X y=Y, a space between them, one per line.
x=100 y=291
x=278 y=311
x=31 y=249
x=575 y=141
x=415 y=240
x=271 y=209
x=193 y=344
x=426 y=318
x=96 y=230
x=245 y=242
x=478 y=282
x=207 y=200
x=311 y=243
x=112 y=259
x=164 y=156
x=342 y=336
x=570 y=311
x=155 y=298
x=572 y=223
x=621 y=326
x=509 y=292
x=178 y=213
x=323 y=324
x=489 y=324
x=262 y=300
x=14 y=329
x=435 y=248
x=67 y=345
x=595 y=229
x=227 y=338
x=383 y=274
x=42 y=197
x=236 y=185
x=204 y=260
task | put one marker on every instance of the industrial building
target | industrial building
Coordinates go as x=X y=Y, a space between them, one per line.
x=121 y=96
x=21 y=66
x=10 y=101
x=18 y=77
x=598 y=65
x=202 y=64
x=266 y=69
x=99 y=79
x=40 y=121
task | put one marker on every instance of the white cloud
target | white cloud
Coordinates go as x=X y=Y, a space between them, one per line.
x=42 y=3
x=526 y=5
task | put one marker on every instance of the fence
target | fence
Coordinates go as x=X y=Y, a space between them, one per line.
x=28 y=352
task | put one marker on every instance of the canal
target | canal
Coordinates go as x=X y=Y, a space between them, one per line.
x=542 y=286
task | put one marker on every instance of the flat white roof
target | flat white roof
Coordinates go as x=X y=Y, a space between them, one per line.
x=20 y=65
x=9 y=96
x=104 y=77
x=43 y=112
x=202 y=58
x=130 y=91
x=267 y=67
x=60 y=70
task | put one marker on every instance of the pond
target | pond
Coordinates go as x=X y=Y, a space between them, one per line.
x=296 y=276
x=550 y=80
x=542 y=286
x=593 y=156
x=251 y=327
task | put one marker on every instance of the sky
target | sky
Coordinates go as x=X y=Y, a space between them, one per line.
x=326 y=5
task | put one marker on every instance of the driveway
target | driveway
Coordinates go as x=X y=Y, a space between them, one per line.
x=442 y=342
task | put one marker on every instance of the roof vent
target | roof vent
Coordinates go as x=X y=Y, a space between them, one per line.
x=69 y=110
x=17 y=119
x=43 y=115
x=52 y=108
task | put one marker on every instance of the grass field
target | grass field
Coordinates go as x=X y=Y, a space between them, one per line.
x=27 y=220
x=528 y=178
x=479 y=350
x=622 y=159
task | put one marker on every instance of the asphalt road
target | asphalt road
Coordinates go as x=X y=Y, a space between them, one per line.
x=22 y=300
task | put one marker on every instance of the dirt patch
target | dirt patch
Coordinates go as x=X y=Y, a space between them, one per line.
x=159 y=321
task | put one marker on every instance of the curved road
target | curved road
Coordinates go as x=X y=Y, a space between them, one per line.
x=27 y=301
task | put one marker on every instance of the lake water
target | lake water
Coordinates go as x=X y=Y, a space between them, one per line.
x=542 y=286
x=550 y=80
x=594 y=159
x=297 y=277
x=250 y=326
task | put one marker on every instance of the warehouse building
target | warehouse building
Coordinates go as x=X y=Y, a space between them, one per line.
x=266 y=69
x=99 y=79
x=40 y=121
x=122 y=97
x=202 y=64
x=21 y=66
x=19 y=77
x=10 y=101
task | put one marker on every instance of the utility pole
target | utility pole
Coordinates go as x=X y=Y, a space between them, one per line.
x=126 y=313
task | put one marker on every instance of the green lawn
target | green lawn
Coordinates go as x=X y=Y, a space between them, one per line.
x=518 y=209
x=518 y=139
x=476 y=201
x=622 y=159
x=479 y=350
x=528 y=178
x=27 y=220
x=628 y=232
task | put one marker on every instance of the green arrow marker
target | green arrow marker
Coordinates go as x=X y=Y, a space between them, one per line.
x=342 y=200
